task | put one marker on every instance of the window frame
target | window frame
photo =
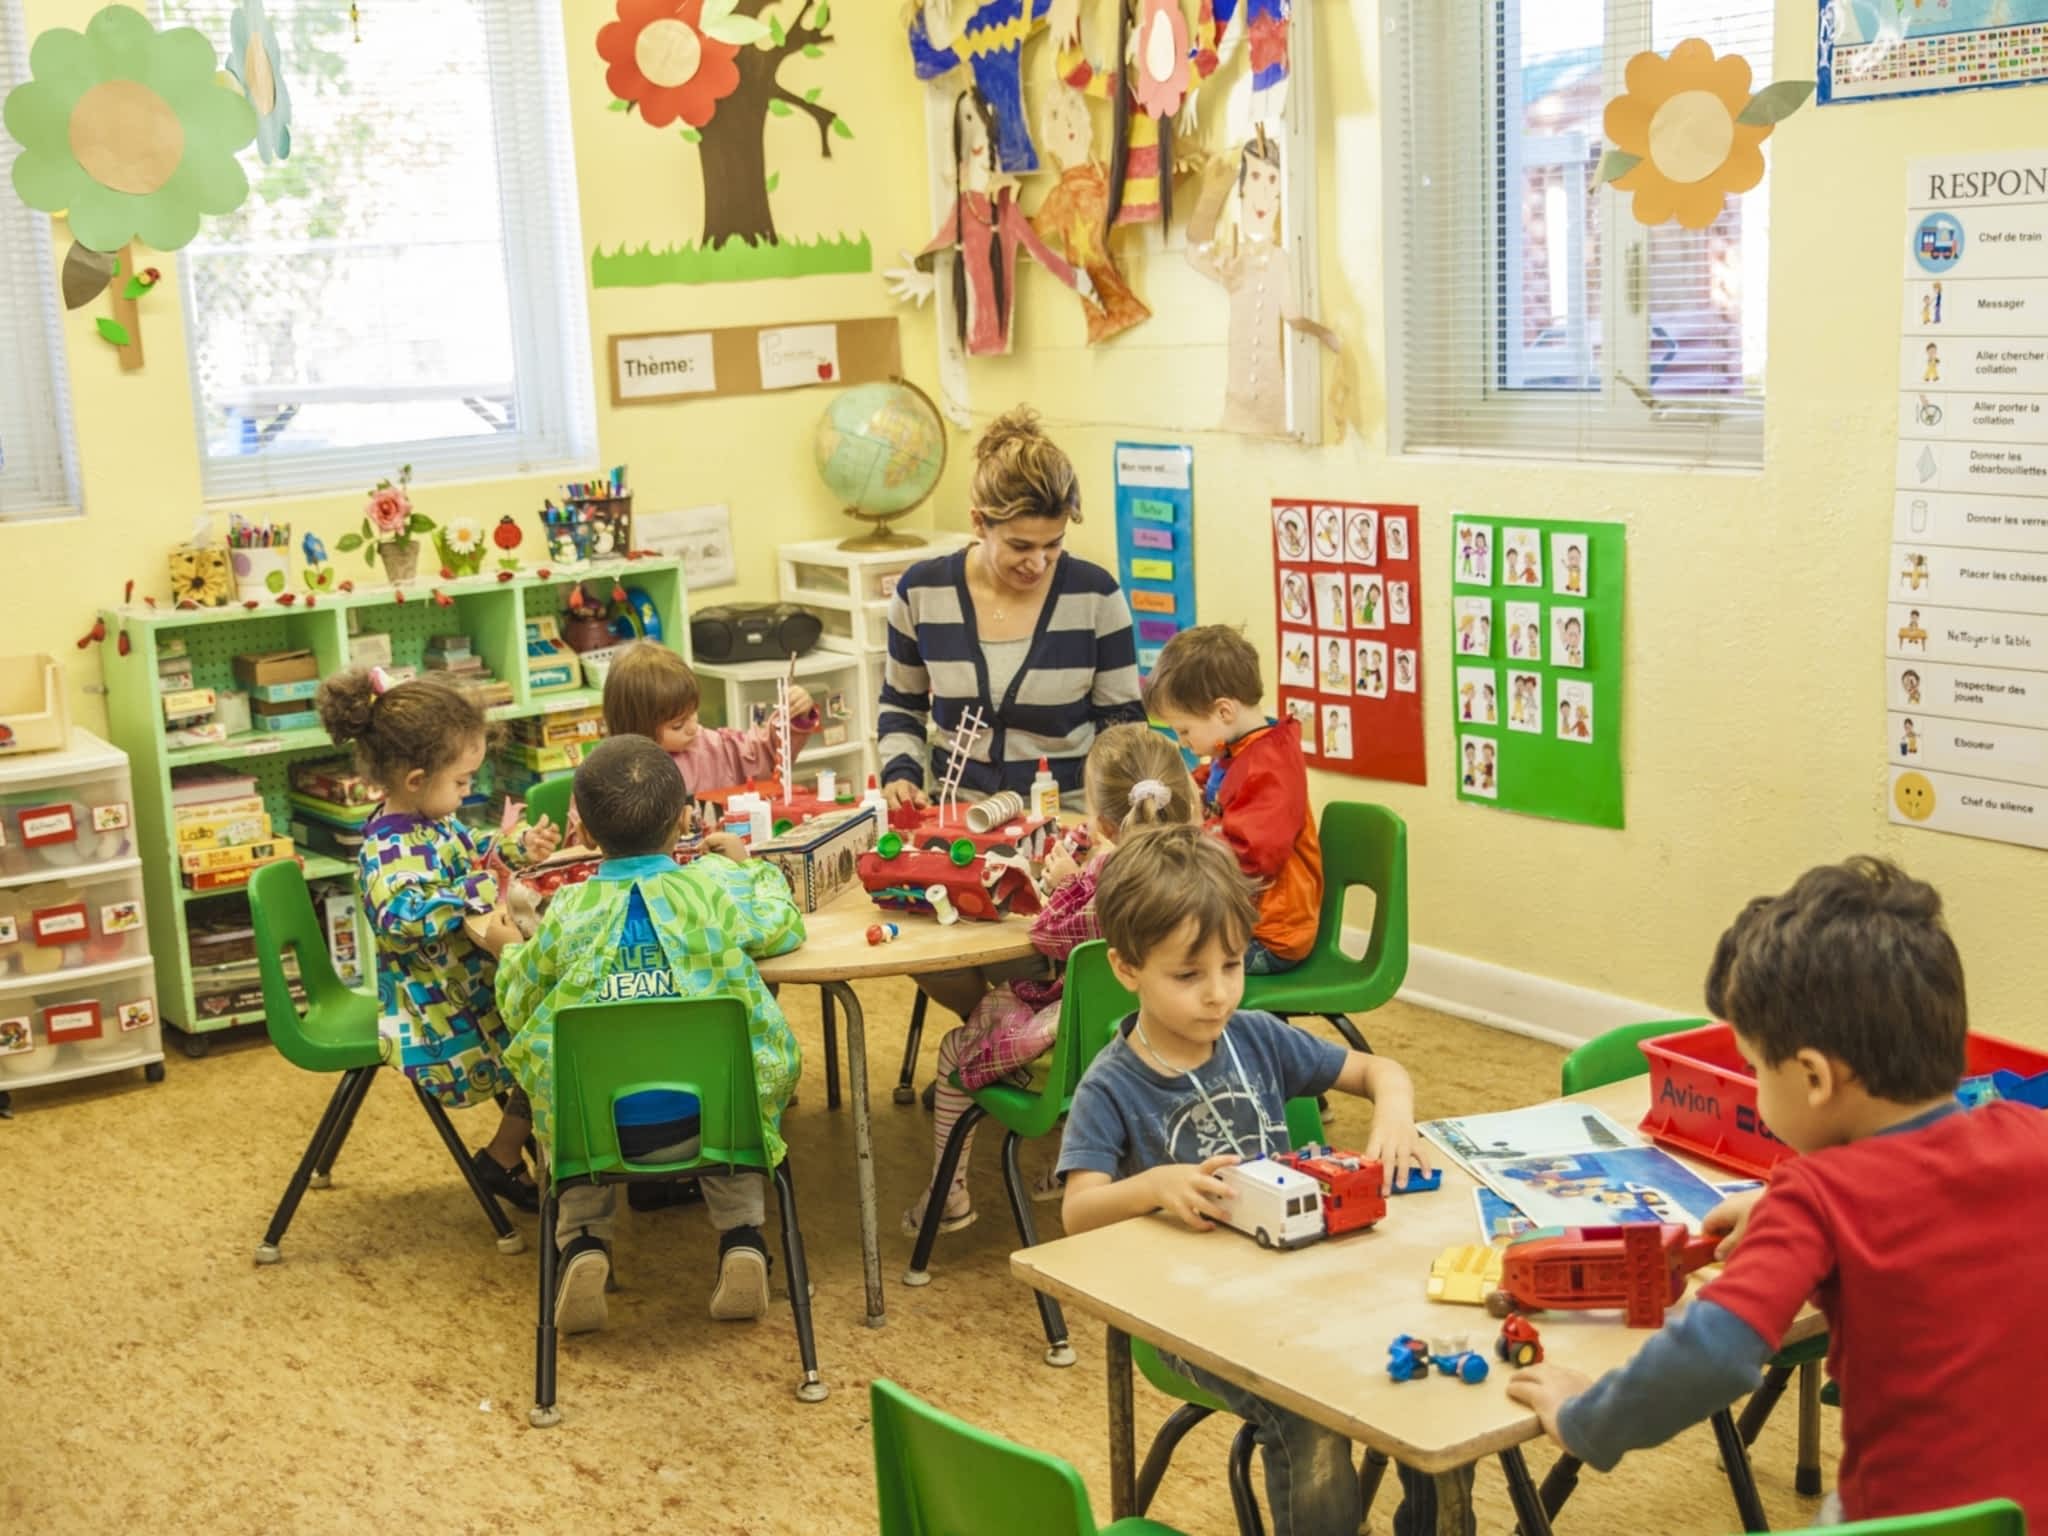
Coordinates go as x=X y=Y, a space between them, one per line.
x=1498 y=416
x=547 y=302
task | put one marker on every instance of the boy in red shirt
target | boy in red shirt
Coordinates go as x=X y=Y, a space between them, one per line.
x=1913 y=1224
x=1207 y=685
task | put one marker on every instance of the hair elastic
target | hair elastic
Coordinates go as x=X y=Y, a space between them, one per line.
x=1151 y=791
x=381 y=682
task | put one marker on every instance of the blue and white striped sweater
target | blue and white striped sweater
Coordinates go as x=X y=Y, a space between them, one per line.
x=1080 y=675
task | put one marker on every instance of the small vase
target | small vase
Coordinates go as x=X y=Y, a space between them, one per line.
x=401 y=561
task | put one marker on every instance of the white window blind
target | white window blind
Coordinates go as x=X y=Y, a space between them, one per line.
x=407 y=287
x=1529 y=313
x=38 y=463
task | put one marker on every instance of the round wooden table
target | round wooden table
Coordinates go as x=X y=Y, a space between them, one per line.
x=835 y=953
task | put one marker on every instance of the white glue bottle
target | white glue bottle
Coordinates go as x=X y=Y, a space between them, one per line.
x=1045 y=792
x=874 y=804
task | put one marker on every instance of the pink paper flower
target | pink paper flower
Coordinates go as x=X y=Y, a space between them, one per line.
x=389 y=510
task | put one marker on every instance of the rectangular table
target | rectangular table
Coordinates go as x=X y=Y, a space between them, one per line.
x=1309 y=1330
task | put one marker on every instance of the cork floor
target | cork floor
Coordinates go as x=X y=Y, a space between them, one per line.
x=378 y=1379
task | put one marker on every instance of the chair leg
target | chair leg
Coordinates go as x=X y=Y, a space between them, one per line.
x=812 y=1388
x=1058 y=1351
x=1741 y=1481
x=1164 y=1444
x=1806 y=1479
x=509 y=1241
x=831 y=1023
x=281 y=1219
x=1353 y=1036
x=1757 y=1411
x=544 y=1414
x=906 y=1090
x=935 y=1206
x=323 y=1170
x=1243 y=1497
x=1371 y=1472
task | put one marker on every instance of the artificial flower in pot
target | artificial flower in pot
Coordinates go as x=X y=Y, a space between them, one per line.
x=461 y=545
x=389 y=529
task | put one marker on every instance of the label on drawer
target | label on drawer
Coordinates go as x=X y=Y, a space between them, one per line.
x=139 y=1014
x=121 y=917
x=45 y=824
x=72 y=1021
x=59 y=925
x=15 y=1035
x=110 y=818
x=10 y=931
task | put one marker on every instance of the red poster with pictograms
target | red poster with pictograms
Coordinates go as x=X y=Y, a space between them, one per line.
x=1347 y=580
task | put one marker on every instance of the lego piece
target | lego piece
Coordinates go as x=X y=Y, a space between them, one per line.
x=1454 y=1356
x=1519 y=1343
x=1407 y=1358
x=1465 y=1274
x=1420 y=1183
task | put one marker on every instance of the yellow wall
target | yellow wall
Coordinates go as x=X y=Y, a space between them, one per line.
x=1755 y=735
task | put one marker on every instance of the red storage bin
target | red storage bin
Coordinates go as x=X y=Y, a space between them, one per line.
x=1703 y=1095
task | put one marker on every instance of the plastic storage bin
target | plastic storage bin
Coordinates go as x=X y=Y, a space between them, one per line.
x=53 y=926
x=1703 y=1094
x=33 y=716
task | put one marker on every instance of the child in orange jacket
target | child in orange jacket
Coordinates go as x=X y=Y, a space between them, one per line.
x=1207 y=685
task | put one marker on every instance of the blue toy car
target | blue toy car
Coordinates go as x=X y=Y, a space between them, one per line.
x=1408 y=1358
x=1467 y=1365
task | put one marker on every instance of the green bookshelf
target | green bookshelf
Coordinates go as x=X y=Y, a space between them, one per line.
x=492 y=613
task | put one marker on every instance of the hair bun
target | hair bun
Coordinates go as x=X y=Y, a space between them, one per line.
x=1016 y=425
x=345 y=702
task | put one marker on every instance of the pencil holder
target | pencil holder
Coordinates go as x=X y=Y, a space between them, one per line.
x=260 y=573
x=594 y=528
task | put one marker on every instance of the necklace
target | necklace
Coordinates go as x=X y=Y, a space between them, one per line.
x=997 y=610
x=1153 y=1050
x=1215 y=1114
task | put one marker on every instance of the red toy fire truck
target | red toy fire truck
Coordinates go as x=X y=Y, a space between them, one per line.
x=1640 y=1268
x=1351 y=1186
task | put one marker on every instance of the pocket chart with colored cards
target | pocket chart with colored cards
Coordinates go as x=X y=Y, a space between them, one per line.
x=1155 y=548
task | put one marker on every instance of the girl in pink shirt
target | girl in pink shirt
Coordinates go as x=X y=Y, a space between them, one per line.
x=651 y=691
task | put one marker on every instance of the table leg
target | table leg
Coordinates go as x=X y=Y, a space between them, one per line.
x=1522 y=1494
x=1741 y=1481
x=863 y=1147
x=1123 y=1429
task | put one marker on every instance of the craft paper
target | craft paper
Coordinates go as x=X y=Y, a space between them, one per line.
x=663 y=367
x=795 y=356
x=1073 y=218
x=1155 y=533
x=700 y=537
x=257 y=65
x=128 y=132
x=1349 y=664
x=988 y=37
x=1870 y=51
x=1555 y=737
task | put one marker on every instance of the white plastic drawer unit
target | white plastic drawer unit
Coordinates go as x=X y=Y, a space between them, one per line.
x=77 y=984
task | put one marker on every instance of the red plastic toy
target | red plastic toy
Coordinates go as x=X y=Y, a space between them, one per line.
x=1640 y=1268
x=1519 y=1343
x=1351 y=1186
x=898 y=885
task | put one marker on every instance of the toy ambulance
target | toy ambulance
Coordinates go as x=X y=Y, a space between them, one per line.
x=1277 y=1205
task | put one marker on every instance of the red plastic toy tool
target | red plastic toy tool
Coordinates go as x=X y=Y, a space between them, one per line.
x=1640 y=1268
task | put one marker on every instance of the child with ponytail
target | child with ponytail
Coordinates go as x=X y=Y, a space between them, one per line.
x=423 y=875
x=1134 y=779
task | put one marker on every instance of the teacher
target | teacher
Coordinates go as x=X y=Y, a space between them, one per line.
x=1038 y=640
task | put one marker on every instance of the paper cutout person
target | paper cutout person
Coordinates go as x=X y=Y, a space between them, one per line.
x=990 y=42
x=983 y=232
x=1074 y=216
x=1255 y=274
x=1141 y=160
x=1265 y=32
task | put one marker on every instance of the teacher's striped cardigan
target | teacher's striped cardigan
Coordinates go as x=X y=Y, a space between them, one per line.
x=1080 y=675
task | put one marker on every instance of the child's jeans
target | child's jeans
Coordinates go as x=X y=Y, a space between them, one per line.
x=1261 y=961
x=1311 y=1483
x=1438 y=1504
x=733 y=1199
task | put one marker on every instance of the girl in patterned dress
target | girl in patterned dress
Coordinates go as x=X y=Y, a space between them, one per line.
x=1135 y=778
x=423 y=875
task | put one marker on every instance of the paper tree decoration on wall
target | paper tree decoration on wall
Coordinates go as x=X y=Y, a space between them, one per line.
x=989 y=39
x=1688 y=134
x=256 y=63
x=714 y=67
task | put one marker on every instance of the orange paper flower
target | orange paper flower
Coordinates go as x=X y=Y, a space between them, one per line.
x=1678 y=118
x=664 y=63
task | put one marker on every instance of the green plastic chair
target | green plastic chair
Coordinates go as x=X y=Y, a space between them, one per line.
x=336 y=1033
x=936 y=1475
x=1362 y=845
x=1616 y=1055
x=1092 y=1005
x=550 y=798
x=603 y=1052
x=1994 y=1517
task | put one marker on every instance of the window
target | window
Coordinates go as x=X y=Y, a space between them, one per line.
x=1530 y=313
x=407 y=287
x=38 y=465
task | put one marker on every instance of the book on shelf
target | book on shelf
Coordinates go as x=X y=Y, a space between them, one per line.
x=207 y=787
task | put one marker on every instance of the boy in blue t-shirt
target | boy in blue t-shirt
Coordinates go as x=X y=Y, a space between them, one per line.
x=1191 y=1085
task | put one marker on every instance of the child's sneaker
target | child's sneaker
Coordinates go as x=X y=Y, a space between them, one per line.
x=742 y=1276
x=957 y=1217
x=581 y=1275
x=1047 y=1187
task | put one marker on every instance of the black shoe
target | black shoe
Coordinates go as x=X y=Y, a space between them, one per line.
x=504 y=1182
x=659 y=1197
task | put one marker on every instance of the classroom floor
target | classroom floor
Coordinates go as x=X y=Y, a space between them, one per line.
x=380 y=1376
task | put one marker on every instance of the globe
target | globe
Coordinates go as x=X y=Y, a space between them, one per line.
x=881 y=449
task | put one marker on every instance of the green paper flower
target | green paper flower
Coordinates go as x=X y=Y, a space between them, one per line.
x=128 y=131
x=255 y=61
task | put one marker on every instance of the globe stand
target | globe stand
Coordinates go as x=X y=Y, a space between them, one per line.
x=882 y=536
